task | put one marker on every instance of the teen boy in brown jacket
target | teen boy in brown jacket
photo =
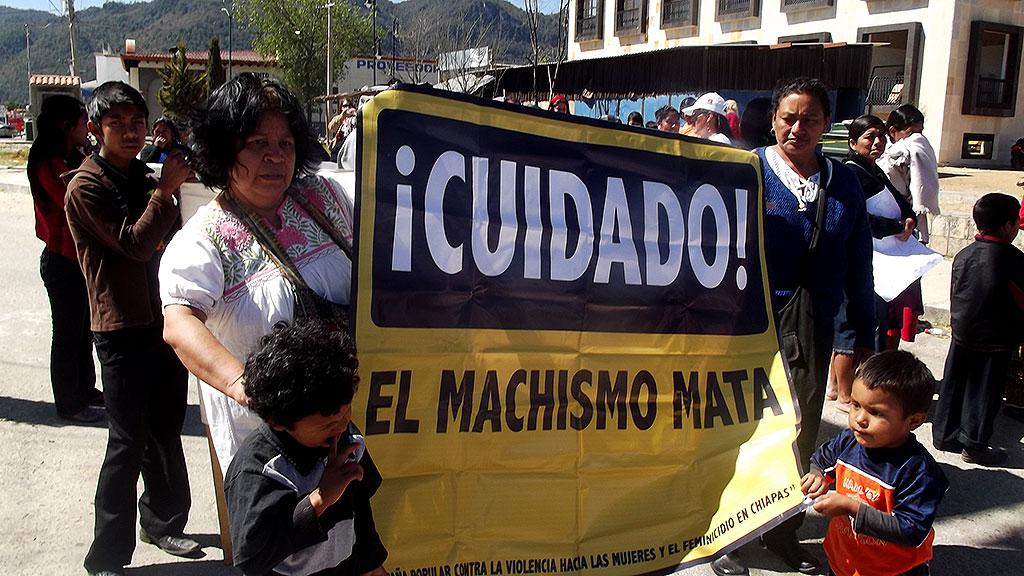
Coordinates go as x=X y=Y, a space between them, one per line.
x=120 y=219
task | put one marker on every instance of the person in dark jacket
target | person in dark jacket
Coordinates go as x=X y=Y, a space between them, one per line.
x=986 y=309
x=867 y=142
x=165 y=139
x=299 y=488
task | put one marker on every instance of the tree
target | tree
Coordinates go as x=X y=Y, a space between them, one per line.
x=295 y=32
x=541 y=52
x=215 y=75
x=183 y=89
x=461 y=60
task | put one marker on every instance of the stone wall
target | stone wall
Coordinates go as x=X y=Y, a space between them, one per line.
x=950 y=233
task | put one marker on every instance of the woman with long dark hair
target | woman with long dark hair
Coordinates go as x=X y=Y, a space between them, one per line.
x=867 y=143
x=61 y=134
x=222 y=290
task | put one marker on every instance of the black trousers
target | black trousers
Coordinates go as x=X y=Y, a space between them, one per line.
x=72 y=372
x=971 y=391
x=807 y=347
x=144 y=388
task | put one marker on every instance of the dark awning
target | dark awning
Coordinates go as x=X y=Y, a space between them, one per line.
x=694 y=69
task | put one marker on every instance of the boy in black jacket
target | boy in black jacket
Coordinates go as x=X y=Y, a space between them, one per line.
x=986 y=304
x=299 y=488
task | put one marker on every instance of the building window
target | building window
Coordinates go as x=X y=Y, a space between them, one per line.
x=817 y=38
x=589 y=17
x=630 y=16
x=734 y=9
x=977 y=146
x=993 y=69
x=679 y=13
x=795 y=5
x=895 y=63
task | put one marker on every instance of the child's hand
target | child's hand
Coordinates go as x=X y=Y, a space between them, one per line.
x=836 y=505
x=339 y=474
x=813 y=485
x=380 y=571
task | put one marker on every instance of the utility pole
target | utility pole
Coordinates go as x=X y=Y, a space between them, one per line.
x=28 y=54
x=71 y=29
x=372 y=5
x=327 y=101
x=394 y=47
x=231 y=13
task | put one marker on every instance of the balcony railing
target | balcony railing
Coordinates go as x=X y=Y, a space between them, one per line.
x=993 y=93
x=630 y=16
x=885 y=90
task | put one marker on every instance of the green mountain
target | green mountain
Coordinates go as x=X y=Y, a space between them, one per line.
x=425 y=26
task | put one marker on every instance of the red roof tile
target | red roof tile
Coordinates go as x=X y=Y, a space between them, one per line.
x=54 y=80
x=244 y=57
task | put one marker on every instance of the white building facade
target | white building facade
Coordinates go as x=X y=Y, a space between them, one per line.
x=959 y=61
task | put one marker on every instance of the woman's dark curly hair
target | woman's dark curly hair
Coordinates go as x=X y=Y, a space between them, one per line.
x=230 y=114
x=803 y=85
x=299 y=370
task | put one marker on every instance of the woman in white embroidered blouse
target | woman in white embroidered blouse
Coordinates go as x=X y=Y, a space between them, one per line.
x=220 y=290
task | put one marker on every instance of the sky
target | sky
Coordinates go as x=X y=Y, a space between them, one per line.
x=53 y=6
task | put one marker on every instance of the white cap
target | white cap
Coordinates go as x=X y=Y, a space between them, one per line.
x=711 y=102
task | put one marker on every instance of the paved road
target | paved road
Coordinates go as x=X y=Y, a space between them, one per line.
x=48 y=469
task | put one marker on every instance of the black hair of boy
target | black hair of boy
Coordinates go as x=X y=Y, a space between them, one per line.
x=110 y=94
x=301 y=369
x=902 y=375
x=993 y=211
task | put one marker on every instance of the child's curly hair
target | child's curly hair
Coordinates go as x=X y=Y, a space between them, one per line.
x=299 y=370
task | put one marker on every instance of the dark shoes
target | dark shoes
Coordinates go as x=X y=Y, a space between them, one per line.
x=107 y=573
x=789 y=549
x=84 y=416
x=729 y=565
x=95 y=398
x=983 y=457
x=947 y=446
x=174 y=545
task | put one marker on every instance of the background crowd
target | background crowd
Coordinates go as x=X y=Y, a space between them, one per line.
x=156 y=295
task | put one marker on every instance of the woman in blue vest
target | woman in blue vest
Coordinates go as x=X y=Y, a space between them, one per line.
x=817 y=246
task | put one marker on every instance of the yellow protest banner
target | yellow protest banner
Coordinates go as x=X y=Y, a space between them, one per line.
x=568 y=358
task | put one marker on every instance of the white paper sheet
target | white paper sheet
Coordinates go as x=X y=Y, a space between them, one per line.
x=897 y=264
x=884 y=204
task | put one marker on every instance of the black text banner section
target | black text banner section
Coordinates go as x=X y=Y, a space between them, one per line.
x=567 y=354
